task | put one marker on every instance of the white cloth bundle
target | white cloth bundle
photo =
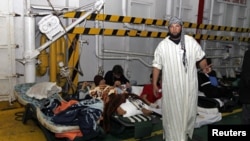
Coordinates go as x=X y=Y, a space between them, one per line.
x=43 y=90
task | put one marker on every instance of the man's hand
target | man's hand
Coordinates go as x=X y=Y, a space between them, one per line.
x=156 y=90
x=128 y=85
x=117 y=83
x=207 y=69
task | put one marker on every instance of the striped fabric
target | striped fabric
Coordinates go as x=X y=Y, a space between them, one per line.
x=133 y=119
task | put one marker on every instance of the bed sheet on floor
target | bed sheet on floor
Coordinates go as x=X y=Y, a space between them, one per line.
x=204 y=116
x=20 y=92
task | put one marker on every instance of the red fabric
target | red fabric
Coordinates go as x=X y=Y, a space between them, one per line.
x=148 y=90
x=70 y=135
x=64 y=105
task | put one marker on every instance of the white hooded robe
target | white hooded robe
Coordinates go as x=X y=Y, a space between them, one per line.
x=179 y=88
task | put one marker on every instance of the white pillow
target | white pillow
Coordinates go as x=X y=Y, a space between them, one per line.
x=43 y=90
x=130 y=109
x=137 y=90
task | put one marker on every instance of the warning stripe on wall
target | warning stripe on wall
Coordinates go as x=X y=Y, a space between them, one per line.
x=73 y=59
x=137 y=33
x=212 y=37
x=117 y=32
x=148 y=21
x=244 y=39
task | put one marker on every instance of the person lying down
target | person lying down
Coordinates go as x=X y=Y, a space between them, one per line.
x=124 y=105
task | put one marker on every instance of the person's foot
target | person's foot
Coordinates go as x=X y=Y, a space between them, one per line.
x=120 y=111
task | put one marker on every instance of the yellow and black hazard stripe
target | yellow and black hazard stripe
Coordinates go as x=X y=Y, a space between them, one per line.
x=244 y=39
x=117 y=18
x=212 y=37
x=117 y=32
x=148 y=21
x=215 y=27
x=148 y=34
x=73 y=60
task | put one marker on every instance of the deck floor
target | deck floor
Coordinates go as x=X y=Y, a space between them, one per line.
x=12 y=127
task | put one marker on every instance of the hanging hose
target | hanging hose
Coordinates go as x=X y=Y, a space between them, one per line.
x=42 y=66
x=52 y=62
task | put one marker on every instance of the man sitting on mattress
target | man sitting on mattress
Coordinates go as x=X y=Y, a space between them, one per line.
x=148 y=95
x=210 y=86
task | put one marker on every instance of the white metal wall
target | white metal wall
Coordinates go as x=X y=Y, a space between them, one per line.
x=227 y=13
x=7 y=52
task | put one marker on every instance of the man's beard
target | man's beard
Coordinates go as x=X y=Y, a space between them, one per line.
x=175 y=36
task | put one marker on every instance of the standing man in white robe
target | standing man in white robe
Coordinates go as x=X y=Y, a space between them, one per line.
x=176 y=56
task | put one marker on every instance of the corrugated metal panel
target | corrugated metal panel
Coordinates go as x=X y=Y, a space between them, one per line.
x=7 y=52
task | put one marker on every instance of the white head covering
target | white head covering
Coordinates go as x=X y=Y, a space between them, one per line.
x=175 y=20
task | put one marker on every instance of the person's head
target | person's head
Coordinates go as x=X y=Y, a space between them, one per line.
x=175 y=27
x=176 y=33
x=117 y=71
x=99 y=80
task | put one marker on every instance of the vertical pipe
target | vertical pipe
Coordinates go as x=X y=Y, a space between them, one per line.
x=29 y=43
x=211 y=12
x=169 y=4
x=52 y=62
x=61 y=56
x=63 y=49
x=200 y=15
x=97 y=43
x=200 y=11
x=180 y=8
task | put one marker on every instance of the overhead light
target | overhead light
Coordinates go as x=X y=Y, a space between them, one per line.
x=50 y=25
